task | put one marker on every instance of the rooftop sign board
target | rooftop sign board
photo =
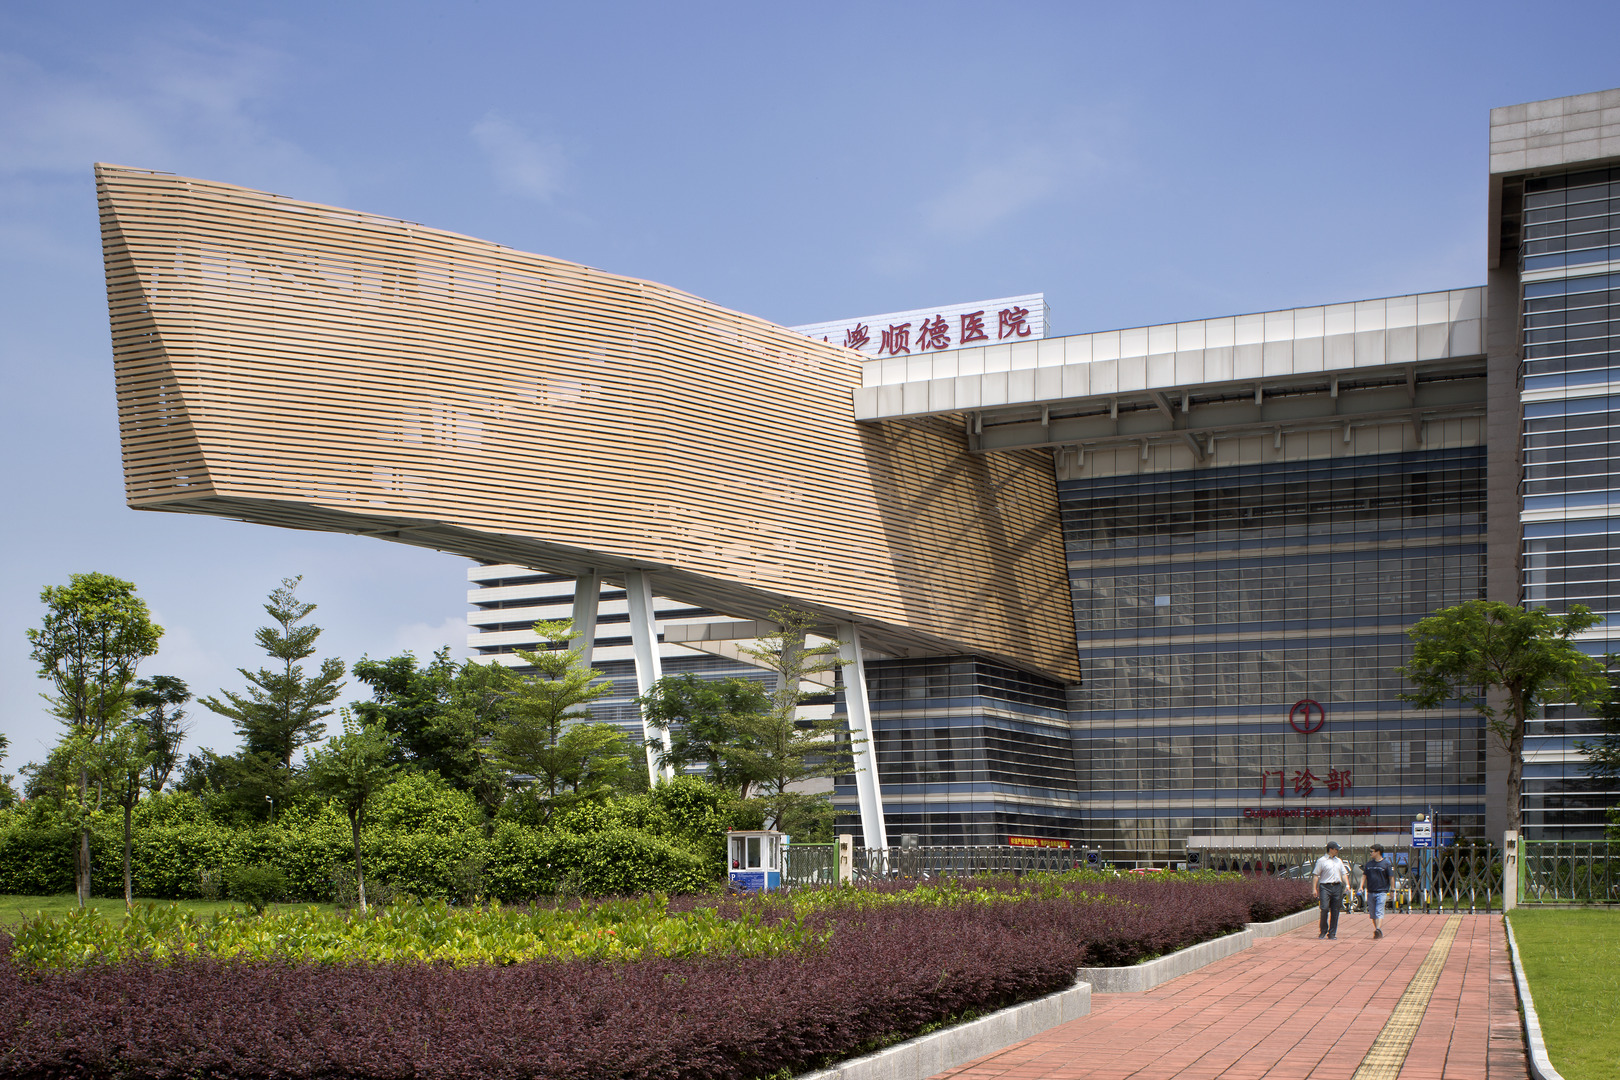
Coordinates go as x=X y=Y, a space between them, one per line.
x=899 y=333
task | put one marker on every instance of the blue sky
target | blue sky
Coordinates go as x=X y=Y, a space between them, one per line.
x=1137 y=163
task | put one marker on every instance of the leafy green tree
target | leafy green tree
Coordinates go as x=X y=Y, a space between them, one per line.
x=158 y=701
x=1464 y=653
x=283 y=708
x=442 y=715
x=409 y=698
x=480 y=703
x=8 y=794
x=94 y=635
x=786 y=748
x=547 y=738
x=1603 y=753
x=351 y=769
x=712 y=723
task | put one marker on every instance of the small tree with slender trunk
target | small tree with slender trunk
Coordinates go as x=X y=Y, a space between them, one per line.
x=545 y=734
x=126 y=756
x=283 y=708
x=351 y=768
x=95 y=633
x=784 y=748
x=1464 y=653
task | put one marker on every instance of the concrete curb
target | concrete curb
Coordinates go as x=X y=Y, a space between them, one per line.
x=937 y=1051
x=1140 y=977
x=1541 y=1066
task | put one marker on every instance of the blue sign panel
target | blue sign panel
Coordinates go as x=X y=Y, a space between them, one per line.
x=752 y=880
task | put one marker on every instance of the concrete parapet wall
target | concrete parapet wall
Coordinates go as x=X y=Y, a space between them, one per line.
x=1284 y=924
x=937 y=1051
x=1140 y=977
x=933 y=1053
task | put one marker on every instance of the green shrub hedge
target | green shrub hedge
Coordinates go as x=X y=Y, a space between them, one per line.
x=426 y=840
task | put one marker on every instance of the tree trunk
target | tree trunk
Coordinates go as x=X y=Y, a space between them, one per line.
x=129 y=896
x=359 y=867
x=81 y=867
x=1515 y=776
x=81 y=852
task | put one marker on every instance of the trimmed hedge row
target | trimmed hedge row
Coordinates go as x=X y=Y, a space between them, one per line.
x=888 y=971
x=515 y=864
x=427 y=840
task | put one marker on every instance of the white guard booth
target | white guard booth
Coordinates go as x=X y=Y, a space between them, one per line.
x=756 y=859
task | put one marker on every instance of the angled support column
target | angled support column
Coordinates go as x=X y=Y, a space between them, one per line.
x=870 y=794
x=587 y=595
x=649 y=665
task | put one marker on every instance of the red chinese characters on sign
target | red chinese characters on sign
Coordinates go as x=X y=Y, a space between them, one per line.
x=896 y=340
x=934 y=333
x=859 y=337
x=973 y=328
x=1014 y=323
x=1305 y=782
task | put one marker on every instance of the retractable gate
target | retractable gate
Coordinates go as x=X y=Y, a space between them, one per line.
x=1463 y=877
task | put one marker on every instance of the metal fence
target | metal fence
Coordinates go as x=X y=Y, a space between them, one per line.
x=922 y=863
x=817 y=864
x=1464 y=877
x=810 y=864
x=1569 y=872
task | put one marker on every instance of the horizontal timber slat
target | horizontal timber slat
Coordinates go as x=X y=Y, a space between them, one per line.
x=317 y=368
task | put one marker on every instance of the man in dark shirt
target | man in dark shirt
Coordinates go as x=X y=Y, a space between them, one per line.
x=1375 y=875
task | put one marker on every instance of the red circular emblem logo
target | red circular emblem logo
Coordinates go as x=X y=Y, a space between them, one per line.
x=1306 y=716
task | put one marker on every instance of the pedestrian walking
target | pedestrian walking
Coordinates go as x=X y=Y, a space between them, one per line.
x=1376 y=873
x=1329 y=879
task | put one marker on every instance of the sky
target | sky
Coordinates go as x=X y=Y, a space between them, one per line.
x=1137 y=163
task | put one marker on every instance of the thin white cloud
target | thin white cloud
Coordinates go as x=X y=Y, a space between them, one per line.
x=989 y=194
x=1001 y=178
x=424 y=639
x=521 y=163
x=186 y=103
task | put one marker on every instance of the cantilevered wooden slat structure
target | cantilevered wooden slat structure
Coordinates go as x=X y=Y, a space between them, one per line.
x=305 y=366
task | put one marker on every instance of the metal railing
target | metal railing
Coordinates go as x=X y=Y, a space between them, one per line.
x=921 y=863
x=1463 y=877
x=1569 y=872
x=817 y=864
x=810 y=864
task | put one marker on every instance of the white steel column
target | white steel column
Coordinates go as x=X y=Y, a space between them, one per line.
x=649 y=665
x=873 y=832
x=587 y=595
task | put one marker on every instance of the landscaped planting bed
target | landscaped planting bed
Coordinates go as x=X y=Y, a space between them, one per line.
x=865 y=967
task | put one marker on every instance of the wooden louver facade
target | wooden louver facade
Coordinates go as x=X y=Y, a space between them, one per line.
x=300 y=365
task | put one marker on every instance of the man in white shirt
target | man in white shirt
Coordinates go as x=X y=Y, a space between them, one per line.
x=1329 y=880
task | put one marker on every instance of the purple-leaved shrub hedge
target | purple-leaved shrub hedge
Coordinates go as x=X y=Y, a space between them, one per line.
x=888 y=971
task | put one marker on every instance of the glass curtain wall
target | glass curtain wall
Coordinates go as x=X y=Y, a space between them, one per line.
x=1571 y=514
x=970 y=752
x=1209 y=605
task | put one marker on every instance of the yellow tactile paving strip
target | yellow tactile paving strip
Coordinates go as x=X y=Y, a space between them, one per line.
x=1389 y=1050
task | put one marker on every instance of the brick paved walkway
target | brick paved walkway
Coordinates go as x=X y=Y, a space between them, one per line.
x=1293 y=1007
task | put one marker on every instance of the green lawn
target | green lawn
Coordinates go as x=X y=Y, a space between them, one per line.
x=14 y=909
x=1572 y=959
